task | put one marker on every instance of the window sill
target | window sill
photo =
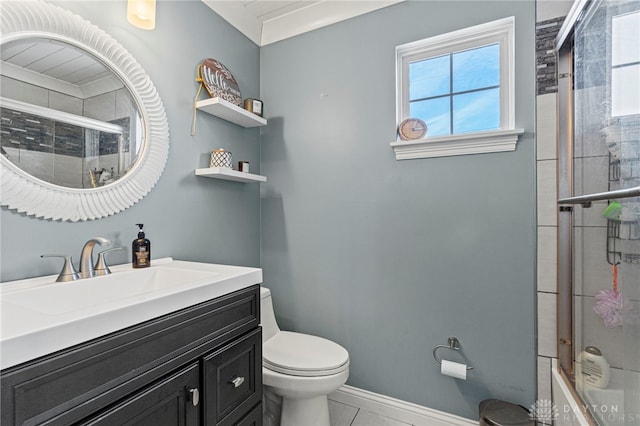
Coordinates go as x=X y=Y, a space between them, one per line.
x=445 y=146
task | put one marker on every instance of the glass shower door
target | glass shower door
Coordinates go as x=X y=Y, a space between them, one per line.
x=606 y=219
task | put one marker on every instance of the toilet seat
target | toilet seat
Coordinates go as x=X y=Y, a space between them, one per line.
x=298 y=354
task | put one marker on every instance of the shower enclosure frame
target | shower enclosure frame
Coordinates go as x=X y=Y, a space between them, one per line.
x=565 y=189
x=568 y=202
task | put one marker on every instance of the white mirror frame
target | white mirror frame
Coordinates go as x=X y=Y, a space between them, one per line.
x=34 y=197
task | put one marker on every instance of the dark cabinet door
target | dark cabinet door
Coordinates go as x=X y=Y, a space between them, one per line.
x=173 y=401
x=254 y=418
x=233 y=380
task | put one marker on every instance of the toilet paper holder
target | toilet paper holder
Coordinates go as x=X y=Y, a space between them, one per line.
x=452 y=344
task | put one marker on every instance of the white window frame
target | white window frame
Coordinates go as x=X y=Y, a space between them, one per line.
x=503 y=139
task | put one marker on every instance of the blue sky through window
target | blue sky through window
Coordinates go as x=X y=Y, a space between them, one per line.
x=429 y=78
x=457 y=93
x=436 y=113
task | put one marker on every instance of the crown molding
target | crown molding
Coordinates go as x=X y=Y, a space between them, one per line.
x=316 y=15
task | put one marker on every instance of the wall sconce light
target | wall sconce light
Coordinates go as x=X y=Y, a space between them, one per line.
x=142 y=13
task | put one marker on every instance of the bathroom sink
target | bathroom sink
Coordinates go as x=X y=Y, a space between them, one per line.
x=39 y=316
x=85 y=294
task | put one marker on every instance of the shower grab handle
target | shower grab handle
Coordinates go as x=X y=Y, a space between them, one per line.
x=586 y=200
x=452 y=344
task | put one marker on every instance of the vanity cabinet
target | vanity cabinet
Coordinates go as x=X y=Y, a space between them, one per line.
x=170 y=402
x=198 y=366
x=229 y=391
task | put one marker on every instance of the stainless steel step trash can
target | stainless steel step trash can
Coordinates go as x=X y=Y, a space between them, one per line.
x=494 y=412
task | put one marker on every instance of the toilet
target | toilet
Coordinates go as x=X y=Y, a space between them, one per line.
x=300 y=369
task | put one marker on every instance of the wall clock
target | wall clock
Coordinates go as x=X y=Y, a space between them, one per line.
x=411 y=129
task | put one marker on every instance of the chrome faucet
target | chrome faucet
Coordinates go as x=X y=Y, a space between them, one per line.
x=86 y=257
x=68 y=272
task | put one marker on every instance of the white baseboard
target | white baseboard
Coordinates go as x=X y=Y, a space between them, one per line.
x=399 y=410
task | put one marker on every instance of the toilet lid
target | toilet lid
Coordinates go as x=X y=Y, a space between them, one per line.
x=300 y=354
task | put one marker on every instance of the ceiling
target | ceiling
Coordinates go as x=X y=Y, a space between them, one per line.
x=69 y=70
x=58 y=66
x=269 y=21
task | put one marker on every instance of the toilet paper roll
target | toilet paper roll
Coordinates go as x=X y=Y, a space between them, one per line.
x=453 y=369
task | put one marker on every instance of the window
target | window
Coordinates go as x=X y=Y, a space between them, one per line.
x=625 y=63
x=462 y=85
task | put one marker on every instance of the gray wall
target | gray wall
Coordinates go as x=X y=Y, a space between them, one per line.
x=386 y=257
x=185 y=216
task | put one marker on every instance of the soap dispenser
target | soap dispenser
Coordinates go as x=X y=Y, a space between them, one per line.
x=141 y=250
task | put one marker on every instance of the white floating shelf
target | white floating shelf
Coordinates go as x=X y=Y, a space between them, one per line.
x=229 y=174
x=230 y=112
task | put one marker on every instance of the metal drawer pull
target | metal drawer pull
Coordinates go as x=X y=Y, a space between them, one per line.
x=237 y=381
x=194 y=396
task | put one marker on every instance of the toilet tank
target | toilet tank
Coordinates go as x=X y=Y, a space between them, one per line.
x=267 y=316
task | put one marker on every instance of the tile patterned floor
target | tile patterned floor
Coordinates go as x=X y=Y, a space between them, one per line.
x=346 y=415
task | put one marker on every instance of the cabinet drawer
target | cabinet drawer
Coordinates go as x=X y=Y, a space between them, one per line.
x=67 y=386
x=169 y=402
x=233 y=380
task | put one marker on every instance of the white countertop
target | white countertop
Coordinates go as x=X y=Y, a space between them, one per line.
x=34 y=323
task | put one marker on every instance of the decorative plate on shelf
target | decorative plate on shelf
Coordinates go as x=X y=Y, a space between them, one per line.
x=219 y=81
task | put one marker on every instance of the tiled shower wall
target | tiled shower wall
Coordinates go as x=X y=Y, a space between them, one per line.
x=550 y=16
x=592 y=270
x=62 y=153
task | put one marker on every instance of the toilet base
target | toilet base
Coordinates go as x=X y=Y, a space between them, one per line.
x=271 y=407
x=309 y=412
x=304 y=399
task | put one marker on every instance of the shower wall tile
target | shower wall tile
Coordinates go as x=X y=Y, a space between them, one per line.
x=592 y=273
x=547 y=335
x=124 y=104
x=591 y=174
x=546 y=132
x=591 y=216
x=594 y=332
x=547 y=193
x=628 y=283
x=38 y=164
x=544 y=378
x=547 y=259
x=101 y=107
x=68 y=171
x=631 y=349
x=20 y=91
x=588 y=140
x=546 y=62
x=66 y=103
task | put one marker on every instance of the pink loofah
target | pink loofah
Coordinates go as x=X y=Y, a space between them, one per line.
x=608 y=305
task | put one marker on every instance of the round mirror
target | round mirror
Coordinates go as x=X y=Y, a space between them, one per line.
x=84 y=133
x=66 y=118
